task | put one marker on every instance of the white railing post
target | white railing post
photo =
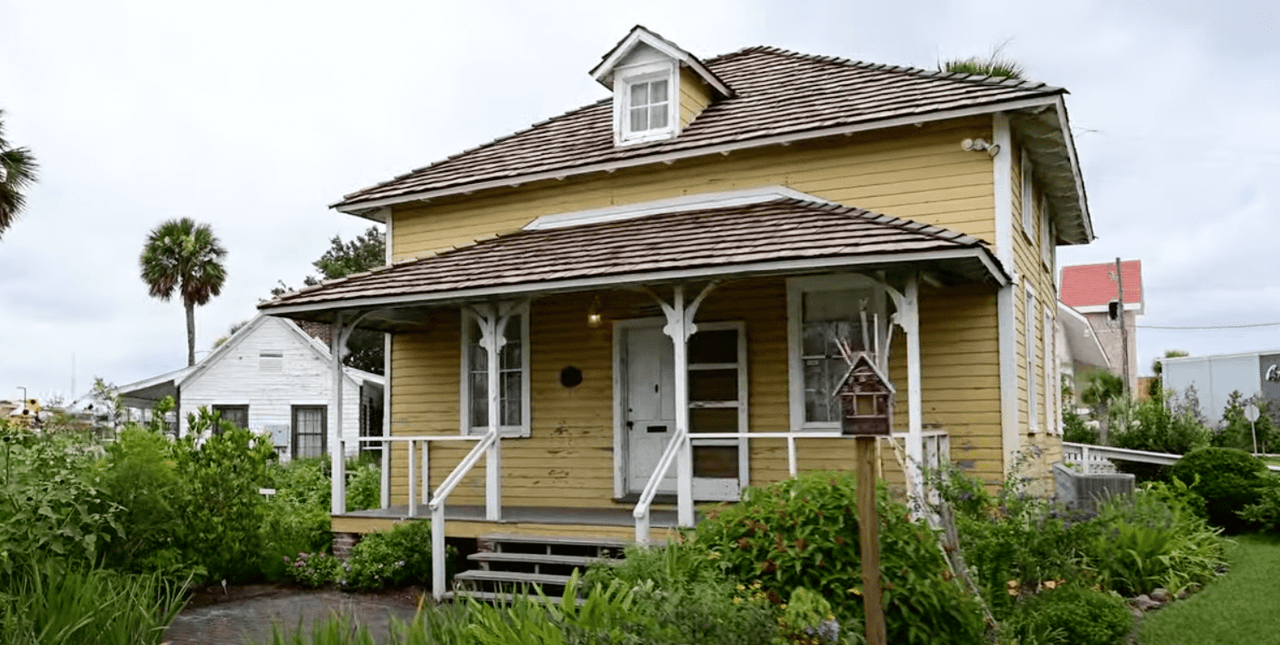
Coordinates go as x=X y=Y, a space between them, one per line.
x=413 y=480
x=386 y=474
x=437 y=552
x=426 y=472
x=493 y=480
x=1084 y=460
x=642 y=529
x=791 y=455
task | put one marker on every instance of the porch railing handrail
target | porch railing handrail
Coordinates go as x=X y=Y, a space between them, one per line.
x=641 y=512
x=1083 y=451
x=437 y=508
x=686 y=440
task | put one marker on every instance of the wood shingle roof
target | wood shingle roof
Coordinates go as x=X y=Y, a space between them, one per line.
x=757 y=238
x=777 y=93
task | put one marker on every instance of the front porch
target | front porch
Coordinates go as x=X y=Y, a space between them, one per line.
x=469 y=521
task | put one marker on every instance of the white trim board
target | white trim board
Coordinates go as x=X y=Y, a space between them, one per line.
x=683 y=204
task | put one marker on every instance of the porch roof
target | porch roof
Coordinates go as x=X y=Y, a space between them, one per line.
x=779 y=236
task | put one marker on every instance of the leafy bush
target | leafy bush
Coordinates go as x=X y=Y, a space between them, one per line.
x=1154 y=539
x=808 y=620
x=364 y=485
x=140 y=476
x=804 y=533
x=1265 y=514
x=1014 y=542
x=685 y=598
x=395 y=558
x=1229 y=480
x=51 y=502
x=1069 y=615
x=314 y=569
x=224 y=513
x=1158 y=424
x=1237 y=432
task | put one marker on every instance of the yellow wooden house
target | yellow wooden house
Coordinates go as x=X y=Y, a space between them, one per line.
x=601 y=321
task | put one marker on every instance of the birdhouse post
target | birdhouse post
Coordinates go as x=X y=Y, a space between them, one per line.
x=866 y=404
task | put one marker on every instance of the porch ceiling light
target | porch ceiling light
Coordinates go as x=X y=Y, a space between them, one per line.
x=593 y=313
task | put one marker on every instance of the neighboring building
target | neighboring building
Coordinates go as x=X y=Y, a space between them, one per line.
x=270 y=377
x=595 y=294
x=1078 y=349
x=1252 y=374
x=1089 y=289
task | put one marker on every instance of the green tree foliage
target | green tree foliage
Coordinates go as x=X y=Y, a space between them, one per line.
x=367 y=251
x=183 y=257
x=1162 y=424
x=1237 y=432
x=17 y=173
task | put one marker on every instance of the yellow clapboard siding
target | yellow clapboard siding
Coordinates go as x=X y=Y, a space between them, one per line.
x=695 y=96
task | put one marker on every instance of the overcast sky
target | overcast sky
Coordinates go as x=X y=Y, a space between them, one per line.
x=253 y=116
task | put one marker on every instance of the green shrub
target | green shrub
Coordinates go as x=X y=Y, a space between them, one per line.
x=808 y=620
x=1265 y=514
x=1159 y=424
x=140 y=476
x=803 y=532
x=1237 y=432
x=395 y=558
x=685 y=597
x=1013 y=538
x=51 y=501
x=1069 y=615
x=313 y=570
x=223 y=513
x=1229 y=480
x=1154 y=539
x=364 y=485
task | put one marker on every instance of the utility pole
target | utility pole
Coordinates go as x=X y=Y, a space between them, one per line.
x=1124 y=330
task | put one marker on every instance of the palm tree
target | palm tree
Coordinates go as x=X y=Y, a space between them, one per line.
x=186 y=257
x=17 y=172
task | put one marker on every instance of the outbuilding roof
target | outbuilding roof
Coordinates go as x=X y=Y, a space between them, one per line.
x=777 y=93
x=1089 y=287
x=778 y=235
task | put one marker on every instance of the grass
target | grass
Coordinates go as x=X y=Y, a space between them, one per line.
x=1242 y=607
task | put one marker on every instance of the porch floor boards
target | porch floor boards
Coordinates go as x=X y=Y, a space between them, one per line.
x=577 y=516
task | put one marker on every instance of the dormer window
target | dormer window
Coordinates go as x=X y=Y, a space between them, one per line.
x=646 y=110
x=658 y=88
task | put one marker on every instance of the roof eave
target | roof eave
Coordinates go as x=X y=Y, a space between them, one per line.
x=362 y=207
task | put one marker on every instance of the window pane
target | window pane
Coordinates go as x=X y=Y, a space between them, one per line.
x=713 y=420
x=713 y=385
x=657 y=92
x=658 y=116
x=720 y=346
x=479 y=400
x=639 y=94
x=639 y=119
x=715 y=461
x=511 y=400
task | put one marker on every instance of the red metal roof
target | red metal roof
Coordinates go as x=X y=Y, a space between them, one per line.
x=1091 y=285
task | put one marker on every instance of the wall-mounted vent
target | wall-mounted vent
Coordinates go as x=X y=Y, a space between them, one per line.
x=271 y=361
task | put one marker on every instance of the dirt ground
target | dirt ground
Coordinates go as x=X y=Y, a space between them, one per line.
x=247 y=614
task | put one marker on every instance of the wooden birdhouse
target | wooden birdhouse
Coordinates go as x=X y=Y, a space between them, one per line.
x=866 y=399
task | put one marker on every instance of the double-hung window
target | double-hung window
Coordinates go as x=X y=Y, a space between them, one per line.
x=1029 y=348
x=513 y=378
x=823 y=314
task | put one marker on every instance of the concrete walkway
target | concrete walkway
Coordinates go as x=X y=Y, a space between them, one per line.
x=247 y=614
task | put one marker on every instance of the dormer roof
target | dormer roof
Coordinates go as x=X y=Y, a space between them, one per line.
x=640 y=37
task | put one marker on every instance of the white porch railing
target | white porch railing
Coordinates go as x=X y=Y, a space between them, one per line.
x=1098 y=459
x=937 y=450
x=419 y=472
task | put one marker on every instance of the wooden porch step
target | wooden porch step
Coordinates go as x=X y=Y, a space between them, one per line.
x=581 y=561
x=511 y=577
x=508 y=538
x=499 y=597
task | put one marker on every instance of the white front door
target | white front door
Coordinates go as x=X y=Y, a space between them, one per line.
x=649 y=404
x=717 y=402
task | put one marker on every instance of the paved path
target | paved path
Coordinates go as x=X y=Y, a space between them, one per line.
x=247 y=616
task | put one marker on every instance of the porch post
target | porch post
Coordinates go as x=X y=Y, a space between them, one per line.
x=338 y=484
x=493 y=330
x=915 y=423
x=679 y=330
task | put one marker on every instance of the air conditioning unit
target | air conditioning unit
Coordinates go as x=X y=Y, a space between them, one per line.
x=1079 y=491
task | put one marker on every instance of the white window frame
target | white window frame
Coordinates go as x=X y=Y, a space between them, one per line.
x=1030 y=349
x=1050 y=386
x=715 y=488
x=796 y=288
x=1028 y=198
x=469 y=320
x=645 y=73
